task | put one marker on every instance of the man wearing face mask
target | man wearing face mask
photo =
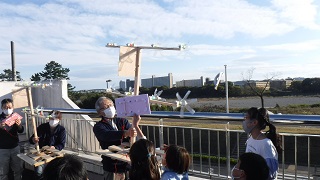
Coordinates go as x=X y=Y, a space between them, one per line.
x=112 y=130
x=50 y=134
x=9 y=140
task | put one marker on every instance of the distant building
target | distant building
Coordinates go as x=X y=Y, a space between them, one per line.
x=122 y=85
x=239 y=83
x=158 y=81
x=281 y=84
x=299 y=78
x=129 y=83
x=259 y=84
x=190 y=83
x=208 y=81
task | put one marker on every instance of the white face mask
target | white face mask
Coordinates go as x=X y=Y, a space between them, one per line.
x=110 y=112
x=246 y=128
x=54 y=123
x=7 y=111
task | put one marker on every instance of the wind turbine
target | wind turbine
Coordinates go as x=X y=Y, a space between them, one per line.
x=183 y=103
x=130 y=92
x=217 y=80
x=156 y=95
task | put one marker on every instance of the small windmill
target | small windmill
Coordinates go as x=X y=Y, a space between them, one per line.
x=156 y=95
x=217 y=80
x=183 y=103
x=130 y=92
x=38 y=110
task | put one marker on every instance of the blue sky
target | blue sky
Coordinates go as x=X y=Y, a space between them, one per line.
x=274 y=37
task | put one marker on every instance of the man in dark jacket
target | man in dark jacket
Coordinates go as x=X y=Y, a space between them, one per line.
x=50 y=134
x=9 y=140
x=113 y=131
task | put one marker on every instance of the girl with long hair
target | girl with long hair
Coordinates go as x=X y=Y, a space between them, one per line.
x=264 y=144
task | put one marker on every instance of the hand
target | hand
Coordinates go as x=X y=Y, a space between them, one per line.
x=18 y=121
x=131 y=132
x=136 y=120
x=35 y=140
x=52 y=147
x=2 y=125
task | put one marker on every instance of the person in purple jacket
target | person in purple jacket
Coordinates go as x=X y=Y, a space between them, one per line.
x=50 y=134
x=111 y=130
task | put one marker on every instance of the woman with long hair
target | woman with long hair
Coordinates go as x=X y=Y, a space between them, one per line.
x=144 y=164
x=264 y=144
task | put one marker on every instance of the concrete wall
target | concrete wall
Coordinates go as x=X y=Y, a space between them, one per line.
x=17 y=94
x=53 y=96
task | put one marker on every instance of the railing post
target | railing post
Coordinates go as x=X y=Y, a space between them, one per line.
x=228 y=150
x=283 y=157
x=78 y=135
x=161 y=133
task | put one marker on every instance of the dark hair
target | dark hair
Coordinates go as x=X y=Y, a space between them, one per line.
x=5 y=101
x=57 y=114
x=69 y=167
x=144 y=165
x=254 y=165
x=262 y=116
x=177 y=159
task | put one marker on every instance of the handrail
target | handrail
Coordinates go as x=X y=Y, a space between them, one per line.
x=283 y=118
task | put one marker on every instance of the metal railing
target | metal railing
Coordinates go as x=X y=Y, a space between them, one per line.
x=214 y=151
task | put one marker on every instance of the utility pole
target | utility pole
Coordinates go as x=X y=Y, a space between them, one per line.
x=138 y=57
x=107 y=81
x=226 y=86
x=13 y=63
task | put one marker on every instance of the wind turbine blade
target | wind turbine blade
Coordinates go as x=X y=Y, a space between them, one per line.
x=217 y=80
x=159 y=93
x=192 y=111
x=178 y=96
x=187 y=94
x=155 y=92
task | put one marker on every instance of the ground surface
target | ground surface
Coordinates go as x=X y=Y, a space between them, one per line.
x=243 y=102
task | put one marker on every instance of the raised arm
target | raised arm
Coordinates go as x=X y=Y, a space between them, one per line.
x=135 y=123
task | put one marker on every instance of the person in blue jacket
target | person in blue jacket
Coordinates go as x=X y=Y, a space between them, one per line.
x=111 y=130
x=9 y=147
x=176 y=161
x=50 y=134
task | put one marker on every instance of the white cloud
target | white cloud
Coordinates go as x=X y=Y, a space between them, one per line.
x=295 y=47
x=298 y=12
x=74 y=33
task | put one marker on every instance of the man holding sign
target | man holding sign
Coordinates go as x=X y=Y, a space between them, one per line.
x=9 y=128
x=112 y=130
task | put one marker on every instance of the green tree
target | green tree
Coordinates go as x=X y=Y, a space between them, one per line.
x=7 y=75
x=311 y=85
x=53 y=70
x=36 y=77
x=296 y=86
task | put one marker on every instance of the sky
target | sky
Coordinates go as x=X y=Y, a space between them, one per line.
x=279 y=37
